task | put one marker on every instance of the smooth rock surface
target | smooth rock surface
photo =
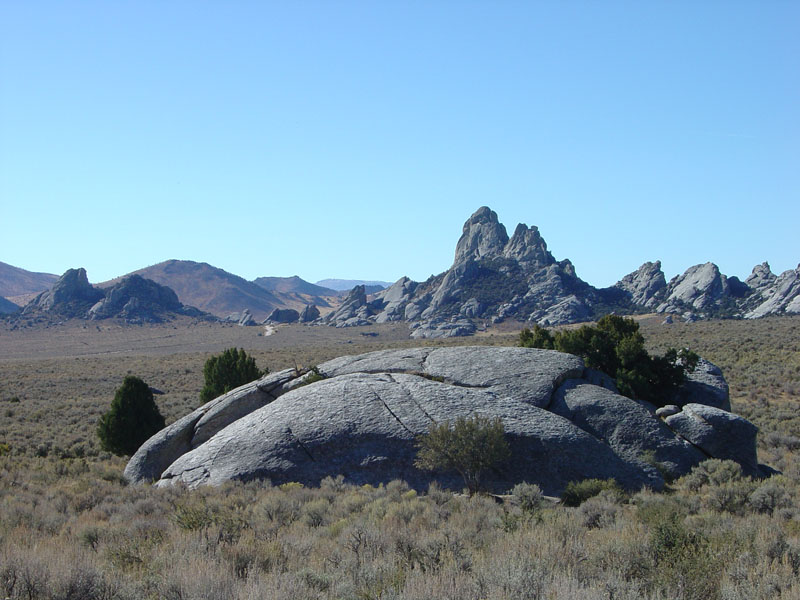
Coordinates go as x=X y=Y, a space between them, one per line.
x=361 y=421
x=719 y=434
x=627 y=426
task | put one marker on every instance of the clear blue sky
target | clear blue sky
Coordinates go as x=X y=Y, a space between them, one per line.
x=353 y=139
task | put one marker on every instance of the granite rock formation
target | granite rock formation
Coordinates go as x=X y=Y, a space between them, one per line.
x=564 y=423
x=133 y=299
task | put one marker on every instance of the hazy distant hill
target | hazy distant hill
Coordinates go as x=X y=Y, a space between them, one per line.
x=212 y=289
x=19 y=282
x=7 y=307
x=293 y=285
x=345 y=285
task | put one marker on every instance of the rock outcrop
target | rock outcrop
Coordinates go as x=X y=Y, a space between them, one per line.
x=309 y=314
x=493 y=277
x=646 y=285
x=700 y=288
x=283 y=315
x=7 y=307
x=562 y=421
x=137 y=299
x=353 y=311
x=776 y=295
x=133 y=299
x=71 y=296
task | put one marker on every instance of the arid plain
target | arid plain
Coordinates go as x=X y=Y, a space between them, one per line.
x=71 y=528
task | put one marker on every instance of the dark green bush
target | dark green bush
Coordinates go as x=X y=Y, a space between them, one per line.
x=227 y=371
x=616 y=347
x=578 y=492
x=132 y=419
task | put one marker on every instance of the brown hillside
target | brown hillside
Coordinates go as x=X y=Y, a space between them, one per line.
x=19 y=282
x=212 y=289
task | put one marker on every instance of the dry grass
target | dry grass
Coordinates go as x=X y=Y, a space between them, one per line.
x=70 y=528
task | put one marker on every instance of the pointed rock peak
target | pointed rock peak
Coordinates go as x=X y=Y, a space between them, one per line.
x=645 y=284
x=71 y=290
x=761 y=276
x=528 y=247
x=483 y=237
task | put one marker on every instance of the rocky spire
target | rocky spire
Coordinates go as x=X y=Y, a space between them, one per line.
x=483 y=237
x=761 y=277
x=528 y=248
x=70 y=295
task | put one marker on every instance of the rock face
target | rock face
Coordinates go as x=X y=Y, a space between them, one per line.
x=283 y=315
x=646 y=285
x=776 y=295
x=310 y=313
x=361 y=421
x=137 y=299
x=718 y=433
x=71 y=296
x=699 y=288
x=353 y=311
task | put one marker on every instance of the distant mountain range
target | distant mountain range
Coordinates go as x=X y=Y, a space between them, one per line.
x=199 y=285
x=493 y=278
x=345 y=285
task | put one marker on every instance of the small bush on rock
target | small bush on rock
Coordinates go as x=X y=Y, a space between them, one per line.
x=229 y=370
x=470 y=446
x=616 y=347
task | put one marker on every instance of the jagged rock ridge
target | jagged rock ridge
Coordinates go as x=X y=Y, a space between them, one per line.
x=494 y=277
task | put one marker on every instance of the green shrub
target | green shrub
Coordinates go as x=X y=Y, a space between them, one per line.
x=132 y=419
x=227 y=371
x=616 y=347
x=578 y=492
x=470 y=446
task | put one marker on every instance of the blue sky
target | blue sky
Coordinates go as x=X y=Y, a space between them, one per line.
x=353 y=139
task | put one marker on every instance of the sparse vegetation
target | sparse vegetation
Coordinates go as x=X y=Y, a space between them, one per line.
x=70 y=528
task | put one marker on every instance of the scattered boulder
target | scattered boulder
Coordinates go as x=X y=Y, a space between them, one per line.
x=284 y=315
x=704 y=385
x=719 y=434
x=309 y=313
x=361 y=421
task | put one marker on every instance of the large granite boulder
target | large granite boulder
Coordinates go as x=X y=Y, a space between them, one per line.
x=361 y=421
x=719 y=434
